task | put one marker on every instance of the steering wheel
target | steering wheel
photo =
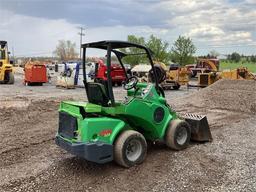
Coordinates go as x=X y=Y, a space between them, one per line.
x=130 y=83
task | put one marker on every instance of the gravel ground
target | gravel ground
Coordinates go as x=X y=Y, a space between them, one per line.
x=236 y=95
x=30 y=161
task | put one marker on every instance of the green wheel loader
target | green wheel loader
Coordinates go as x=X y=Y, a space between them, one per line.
x=104 y=129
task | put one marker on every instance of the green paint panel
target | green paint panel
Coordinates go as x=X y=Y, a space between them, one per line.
x=89 y=107
x=70 y=108
x=100 y=129
x=141 y=114
x=131 y=92
x=136 y=113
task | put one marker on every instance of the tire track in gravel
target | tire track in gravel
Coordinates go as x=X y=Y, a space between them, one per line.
x=30 y=125
x=26 y=138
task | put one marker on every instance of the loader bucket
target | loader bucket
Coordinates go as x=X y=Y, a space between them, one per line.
x=200 y=130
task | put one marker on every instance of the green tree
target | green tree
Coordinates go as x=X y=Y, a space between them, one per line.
x=134 y=59
x=135 y=39
x=253 y=58
x=236 y=57
x=183 y=50
x=66 y=50
x=159 y=48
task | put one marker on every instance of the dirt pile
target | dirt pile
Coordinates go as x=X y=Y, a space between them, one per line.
x=29 y=122
x=230 y=95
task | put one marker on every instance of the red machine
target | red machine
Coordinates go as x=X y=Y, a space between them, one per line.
x=117 y=73
x=35 y=74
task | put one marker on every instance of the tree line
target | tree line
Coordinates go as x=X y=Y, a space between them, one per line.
x=236 y=57
x=181 y=51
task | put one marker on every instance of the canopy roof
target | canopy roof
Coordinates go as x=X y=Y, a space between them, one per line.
x=115 y=45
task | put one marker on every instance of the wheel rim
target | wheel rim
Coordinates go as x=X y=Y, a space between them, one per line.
x=133 y=150
x=182 y=135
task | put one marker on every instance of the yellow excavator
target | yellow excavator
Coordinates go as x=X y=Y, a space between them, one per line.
x=212 y=74
x=6 y=67
x=241 y=73
x=174 y=77
x=238 y=73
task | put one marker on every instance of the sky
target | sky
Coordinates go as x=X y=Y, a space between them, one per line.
x=33 y=27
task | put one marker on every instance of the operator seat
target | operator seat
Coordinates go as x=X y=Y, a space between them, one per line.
x=97 y=94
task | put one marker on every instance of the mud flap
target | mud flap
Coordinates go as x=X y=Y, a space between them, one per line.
x=200 y=130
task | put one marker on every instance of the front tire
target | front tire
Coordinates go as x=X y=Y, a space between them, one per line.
x=178 y=135
x=176 y=87
x=130 y=148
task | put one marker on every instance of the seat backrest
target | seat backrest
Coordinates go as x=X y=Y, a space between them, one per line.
x=97 y=94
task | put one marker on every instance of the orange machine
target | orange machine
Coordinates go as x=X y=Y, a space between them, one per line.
x=204 y=66
x=239 y=73
x=35 y=73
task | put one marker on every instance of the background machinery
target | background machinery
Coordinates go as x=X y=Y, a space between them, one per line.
x=173 y=76
x=204 y=65
x=241 y=73
x=70 y=74
x=35 y=73
x=6 y=67
x=117 y=73
x=141 y=71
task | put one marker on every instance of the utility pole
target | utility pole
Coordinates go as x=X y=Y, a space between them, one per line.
x=81 y=40
x=13 y=52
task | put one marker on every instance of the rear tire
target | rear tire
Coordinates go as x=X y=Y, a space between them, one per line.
x=130 y=148
x=10 y=78
x=178 y=134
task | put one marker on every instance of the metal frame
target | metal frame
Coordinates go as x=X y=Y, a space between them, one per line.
x=111 y=46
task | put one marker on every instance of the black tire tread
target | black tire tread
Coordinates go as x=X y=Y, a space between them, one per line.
x=170 y=134
x=119 y=144
x=11 y=78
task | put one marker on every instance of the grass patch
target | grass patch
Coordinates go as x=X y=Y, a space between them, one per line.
x=229 y=65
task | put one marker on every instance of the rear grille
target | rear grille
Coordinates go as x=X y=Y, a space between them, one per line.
x=67 y=125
